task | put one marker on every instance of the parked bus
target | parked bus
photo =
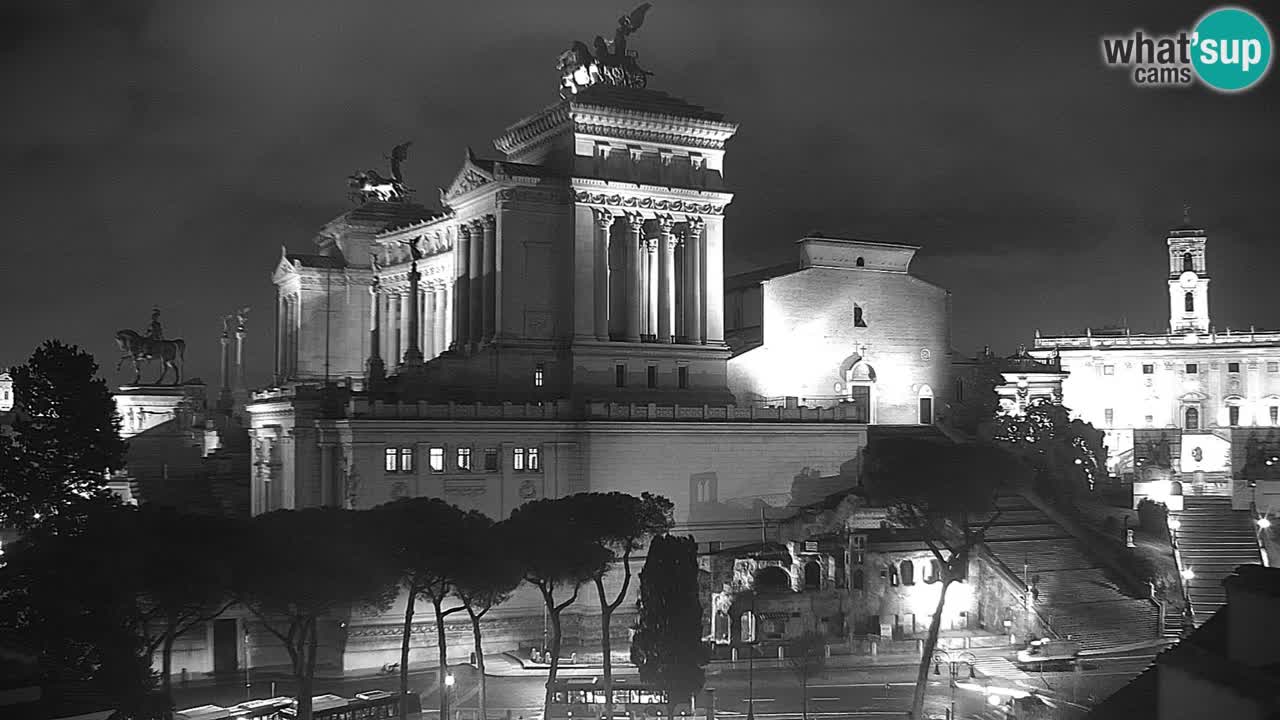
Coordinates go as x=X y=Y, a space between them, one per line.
x=583 y=697
x=260 y=709
x=203 y=712
x=371 y=705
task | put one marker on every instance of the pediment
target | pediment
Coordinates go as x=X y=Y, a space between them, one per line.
x=470 y=176
x=284 y=267
x=1193 y=396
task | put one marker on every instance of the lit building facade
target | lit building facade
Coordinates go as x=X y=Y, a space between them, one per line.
x=849 y=324
x=1187 y=398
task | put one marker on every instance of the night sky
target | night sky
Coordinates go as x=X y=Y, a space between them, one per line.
x=161 y=153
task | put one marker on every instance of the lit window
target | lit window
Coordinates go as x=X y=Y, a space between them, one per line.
x=1192 y=368
x=1110 y=416
x=1233 y=367
x=537 y=375
x=464 y=458
x=436 y=459
x=1150 y=420
x=1108 y=369
x=535 y=461
x=652 y=376
x=517 y=459
x=682 y=377
x=389 y=462
x=1274 y=413
x=490 y=460
x=858 y=320
x=406 y=459
x=620 y=375
x=1148 y=369
x=398 y=459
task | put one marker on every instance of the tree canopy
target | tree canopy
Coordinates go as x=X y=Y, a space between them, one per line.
x=1066 y=454
x=64 y=441
x=667 y=647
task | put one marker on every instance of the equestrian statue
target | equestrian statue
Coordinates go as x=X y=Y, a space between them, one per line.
x=580 y=67
x=145 y=348
x=370 y=185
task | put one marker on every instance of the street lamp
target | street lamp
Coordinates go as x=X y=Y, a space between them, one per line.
x=448 y=691
x=1263 y=523
x=1188 y=574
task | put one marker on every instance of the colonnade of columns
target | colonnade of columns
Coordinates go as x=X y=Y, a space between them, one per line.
x=475 y=312
x=393 y=311
x=650 y=283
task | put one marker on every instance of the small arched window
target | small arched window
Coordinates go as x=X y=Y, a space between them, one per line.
x=1188 y=262
x=859 y=579
x=858 y=320
x=1189 y=302
x=860 y=263
x=908 y=573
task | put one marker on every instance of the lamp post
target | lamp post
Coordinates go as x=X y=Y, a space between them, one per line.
x=953 y=667
x=1174 y=524
x=751 y=662
x=448 y=692
x=248 y=660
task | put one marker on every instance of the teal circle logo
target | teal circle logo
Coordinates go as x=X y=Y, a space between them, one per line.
x=1231 y=49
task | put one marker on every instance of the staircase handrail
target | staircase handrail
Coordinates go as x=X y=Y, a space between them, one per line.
x=1017 y=582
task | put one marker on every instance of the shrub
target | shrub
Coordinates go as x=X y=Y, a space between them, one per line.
x=1153 y=517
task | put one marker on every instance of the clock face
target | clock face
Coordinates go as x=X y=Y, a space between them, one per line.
x=1188 y=279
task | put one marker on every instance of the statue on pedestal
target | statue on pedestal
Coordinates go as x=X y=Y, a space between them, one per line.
x=144 y=348
x=370 y=185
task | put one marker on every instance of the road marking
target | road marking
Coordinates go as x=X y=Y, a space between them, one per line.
x=853 y=685
x=747 y=700
x=815 y=699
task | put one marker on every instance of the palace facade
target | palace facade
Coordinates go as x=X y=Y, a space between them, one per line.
x=1193 y=404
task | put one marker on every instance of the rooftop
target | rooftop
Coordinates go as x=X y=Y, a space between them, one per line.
x=643 y=100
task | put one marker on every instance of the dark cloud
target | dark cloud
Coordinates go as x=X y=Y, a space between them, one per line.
x=162 y=152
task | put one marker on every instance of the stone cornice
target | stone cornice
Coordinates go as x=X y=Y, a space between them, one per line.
x=533 y=130
x=651 y=127
x=658 y=199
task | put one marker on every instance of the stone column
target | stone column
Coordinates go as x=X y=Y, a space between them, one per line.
x=446 y=320
x=489 y=283
x=693 y=266
x=604 y=221
x=393 y=327
x=666 y=279
x=413 y=331
x=651 y=287
x=426 y=301
x=240 y=329
x=279 y=337
x=224 y=392
x=376 y=370
x=713 y=281
x=462 y=289
x=328 y=498
x=475 y=303
x=635 y=290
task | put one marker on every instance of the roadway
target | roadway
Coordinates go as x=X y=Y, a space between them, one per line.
x=775 y=693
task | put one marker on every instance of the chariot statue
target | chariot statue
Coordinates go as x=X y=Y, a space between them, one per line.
x=581 y=67
x=370 y=185
x=144 y=348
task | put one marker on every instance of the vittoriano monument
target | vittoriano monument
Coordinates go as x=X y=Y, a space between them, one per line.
x=581 y=68
x=369 y=185
x=145 y=348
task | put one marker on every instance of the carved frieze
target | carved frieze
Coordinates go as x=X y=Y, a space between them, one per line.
x=648 y=203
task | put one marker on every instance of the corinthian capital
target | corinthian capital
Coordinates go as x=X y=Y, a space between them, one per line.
x=489 y=222
x=604 y=218
x=665 y=224
x=635 y=221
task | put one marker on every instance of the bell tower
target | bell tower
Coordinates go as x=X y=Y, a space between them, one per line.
x=1188 y=278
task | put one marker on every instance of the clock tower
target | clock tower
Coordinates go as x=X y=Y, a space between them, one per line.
x=1188 y=279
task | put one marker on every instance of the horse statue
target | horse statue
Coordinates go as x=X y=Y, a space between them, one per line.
x=139 y=348
x=581 y=68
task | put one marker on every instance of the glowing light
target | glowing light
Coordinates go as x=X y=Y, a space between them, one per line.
x=1188 y=574
x=1174 y=524
x=1263 y=523
x=994 y=700
x=448 y=680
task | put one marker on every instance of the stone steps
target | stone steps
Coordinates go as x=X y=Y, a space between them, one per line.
x=1213 y=540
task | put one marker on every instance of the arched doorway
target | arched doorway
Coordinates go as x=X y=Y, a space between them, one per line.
x=812 y=575
x=1191 y=419
x=860 y=378
x=925 y=400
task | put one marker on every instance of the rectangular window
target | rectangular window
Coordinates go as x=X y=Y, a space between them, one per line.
x=1149 y=420
x=406 y=459
x=1233 y=415
x=535 y=459
x=390 y=462
x=620 y=375
x=1108 y=369
x=1233 y=367
x=491 y=460
x=517 y=459
x=1110 y=416
x=1148 y=369
x=1192 y=368
x=652 y=376
x=682 y=377
x=537 y=375
x=1274 y=413
x=464 y=458
x=1273 y=367
x=436 y=459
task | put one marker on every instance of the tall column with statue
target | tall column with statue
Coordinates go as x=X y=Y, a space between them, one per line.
x=376 y=370
x=413 y=353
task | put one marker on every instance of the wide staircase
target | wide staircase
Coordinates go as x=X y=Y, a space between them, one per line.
x=1073 y=592
x=1213 y=541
